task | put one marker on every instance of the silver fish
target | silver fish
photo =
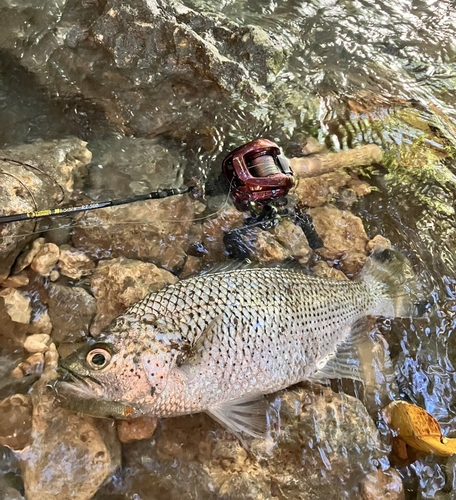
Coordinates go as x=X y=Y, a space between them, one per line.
x=219 y=341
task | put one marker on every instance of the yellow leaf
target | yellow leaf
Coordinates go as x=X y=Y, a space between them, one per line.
x=418 y=429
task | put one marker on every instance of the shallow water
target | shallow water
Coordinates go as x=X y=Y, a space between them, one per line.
x=352 y=68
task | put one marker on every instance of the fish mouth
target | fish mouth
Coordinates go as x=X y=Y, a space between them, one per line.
x=70 y=384
x=84 y=395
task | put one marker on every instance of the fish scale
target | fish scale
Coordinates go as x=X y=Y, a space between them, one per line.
x=219 y=341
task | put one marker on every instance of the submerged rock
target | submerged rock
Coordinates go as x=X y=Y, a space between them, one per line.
x=327 y=446
x=155 y=231
x=118 y=283
x=70 y=455
x=345 y=240
x=74 y=263
x=44 y=179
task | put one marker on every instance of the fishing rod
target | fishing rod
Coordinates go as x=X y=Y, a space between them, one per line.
x=154 y=195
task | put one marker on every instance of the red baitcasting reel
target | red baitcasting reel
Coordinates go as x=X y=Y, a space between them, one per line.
x=257 y=173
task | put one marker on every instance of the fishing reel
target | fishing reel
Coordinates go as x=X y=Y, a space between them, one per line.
x=260 y=178
x=258 y=173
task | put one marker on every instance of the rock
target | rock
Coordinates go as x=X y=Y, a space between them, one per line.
x=323 y=270
x=16 y=281
x=135 y=166
x=211 y=245
x=71 y=310
x=158 y=58
x=51 y=360
x=118 y=283
x=258 y=245
x=74 y=263
x=155 y=231
x=37 y=176
x=28 y=254
x=17 y=305
x=378 y=242
x=327 y=444
x=136 y=429
x=37 y=342
x=191 y=267
x=46 y=259
x=34 y=364
x=293 y=239
x=12 y=334
x=70 y=455
x=344 y=237
x=316 y=191
x=386 y=485
x=16 y=421
x=41 y=324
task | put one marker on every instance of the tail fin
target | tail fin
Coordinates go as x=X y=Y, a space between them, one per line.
x=391 y=273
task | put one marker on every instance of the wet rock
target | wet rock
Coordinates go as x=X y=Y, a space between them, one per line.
x=16 y=421
x=118 y=283
x=158 y=59
x=157 y=231
x=28 y=254
x=71 y=310
x=378 y=242
x=46 y=259
x=324 y=270
x=33 y=365
x=17 y=305
x=344 y=237
x=16 y=281
x=136 y=429
x=135 y=166
x=51 y=359
x=316 y=191
x=327 y=443
x=70 y=455
x=12 y=333
x=74 y=263
x=191 y=267
x=293 y=239
x=37 y=342
x=386 y=485
x=41 y=323
x=211 y=246
x=46 y=181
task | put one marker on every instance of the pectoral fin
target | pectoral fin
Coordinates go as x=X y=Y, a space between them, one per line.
x=243 y=415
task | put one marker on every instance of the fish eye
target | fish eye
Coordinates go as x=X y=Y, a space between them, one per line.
x=98 y=358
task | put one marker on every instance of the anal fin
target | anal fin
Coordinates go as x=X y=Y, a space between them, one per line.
x=247 y=415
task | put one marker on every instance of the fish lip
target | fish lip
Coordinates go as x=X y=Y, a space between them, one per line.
x=76 y=385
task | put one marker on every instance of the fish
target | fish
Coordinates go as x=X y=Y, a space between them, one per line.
x=219 y=341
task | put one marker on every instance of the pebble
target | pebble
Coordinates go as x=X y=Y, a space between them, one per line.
x=74 y=263
x=46 y=259
x=17 y=305
x=34 y=364
x=38 y=342
x=16 y=421
x=136 y=429
x=26 y=258
x=16 y=281
x=386 y=485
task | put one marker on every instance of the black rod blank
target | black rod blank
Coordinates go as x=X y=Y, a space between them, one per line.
x=154 y=195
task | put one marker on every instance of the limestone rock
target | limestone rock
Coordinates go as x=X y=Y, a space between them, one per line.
x=155 y=231
x=293 y=239
x=45 y=182
x=16 y=281
x=17 y=305
x=70 y=455
x=118 y=283
x=386 y=485
x=28 y=254
x=16 y=421
x=343 y=235
x=316 y=191
x=71 y=310
x=37 y=342
x=136 y=429
x=46 y=259
x=327 y=444
x=74 y=263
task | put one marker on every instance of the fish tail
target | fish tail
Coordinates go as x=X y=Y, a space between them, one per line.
x=390 y=275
